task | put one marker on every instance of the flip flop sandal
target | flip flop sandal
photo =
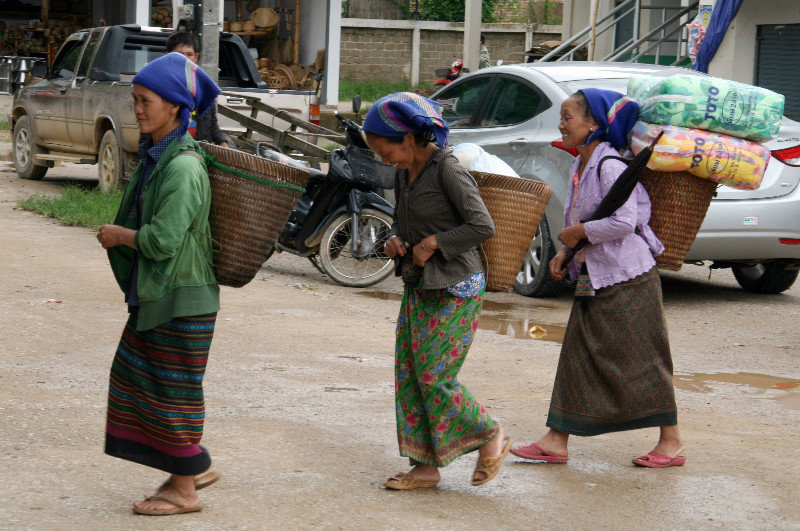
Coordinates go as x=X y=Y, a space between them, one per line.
x=201 y=481
x=491 y=465
x=535 y=452
x=655 y=460
x=403 y=481
x=179 y=508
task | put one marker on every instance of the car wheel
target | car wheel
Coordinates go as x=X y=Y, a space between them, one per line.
x=533 y=279
x=110 y=163
x=23 y=151
x=769 y=277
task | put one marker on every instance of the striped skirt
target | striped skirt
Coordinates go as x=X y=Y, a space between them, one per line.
x=615 y=368
x=155 y=398
x=438 y=419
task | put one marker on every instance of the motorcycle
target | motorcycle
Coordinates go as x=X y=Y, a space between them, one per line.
x=342 y=221
x=446 y=76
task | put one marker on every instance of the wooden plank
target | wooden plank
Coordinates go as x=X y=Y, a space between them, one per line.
x=280 y=138
x=288 y=117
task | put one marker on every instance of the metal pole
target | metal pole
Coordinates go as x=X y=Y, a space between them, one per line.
x=637 y=13
x=209 y=28
x=472 y=33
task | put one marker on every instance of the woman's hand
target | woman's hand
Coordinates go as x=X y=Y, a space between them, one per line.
x=113 y=235
x=424 y=250
x=557 y=269
x=394 y=247
x=572 y=235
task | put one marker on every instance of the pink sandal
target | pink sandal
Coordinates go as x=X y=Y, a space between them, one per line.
x=535 y=452
x=655 y=460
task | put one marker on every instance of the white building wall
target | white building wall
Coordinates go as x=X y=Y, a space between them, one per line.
x=736 y=57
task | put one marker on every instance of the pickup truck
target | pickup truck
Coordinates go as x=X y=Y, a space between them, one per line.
x=82 y=111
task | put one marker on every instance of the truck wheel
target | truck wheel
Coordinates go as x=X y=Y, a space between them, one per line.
x=110 y=163
x=23 y=151
x=533 y=279
x=769 y=277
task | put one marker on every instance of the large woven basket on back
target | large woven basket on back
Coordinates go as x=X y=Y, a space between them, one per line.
x=251 y=200
x=516 y=206
x=680 y=201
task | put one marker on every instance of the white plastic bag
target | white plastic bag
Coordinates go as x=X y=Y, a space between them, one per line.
x=475 y=158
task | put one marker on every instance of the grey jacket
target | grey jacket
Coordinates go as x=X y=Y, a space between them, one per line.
x=443 y=200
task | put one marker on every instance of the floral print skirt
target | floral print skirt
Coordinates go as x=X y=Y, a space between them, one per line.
x=438 y=419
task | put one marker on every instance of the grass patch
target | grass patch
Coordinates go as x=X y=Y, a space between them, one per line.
x=76 y=206
x=4 y=125
x=372 y=90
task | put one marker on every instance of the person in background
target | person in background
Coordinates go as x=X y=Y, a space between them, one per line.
x=484 y=60
x=205 y=128
x=439 y=222
x=160 y=251
x=615 y=368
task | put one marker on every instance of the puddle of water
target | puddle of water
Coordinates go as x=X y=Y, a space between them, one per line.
x=516 y=320
x=701 y=382
x=337 y=389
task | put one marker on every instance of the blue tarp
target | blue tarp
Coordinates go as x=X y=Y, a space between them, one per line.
x=721 y=17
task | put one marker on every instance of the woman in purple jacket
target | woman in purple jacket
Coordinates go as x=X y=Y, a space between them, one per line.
x=615 y=368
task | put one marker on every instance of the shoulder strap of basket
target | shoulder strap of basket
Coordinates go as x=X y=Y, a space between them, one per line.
x=212 y=161
x=600 y=164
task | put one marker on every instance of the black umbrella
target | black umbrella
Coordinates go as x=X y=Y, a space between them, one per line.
x=619 y=193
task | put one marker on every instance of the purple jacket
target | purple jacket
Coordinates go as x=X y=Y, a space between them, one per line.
x=617 y=253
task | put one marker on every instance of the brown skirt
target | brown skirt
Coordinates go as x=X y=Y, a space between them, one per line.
x=615 y=368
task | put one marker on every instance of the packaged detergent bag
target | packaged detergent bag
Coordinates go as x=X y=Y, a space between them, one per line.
x=728 y=160
x=713 y=104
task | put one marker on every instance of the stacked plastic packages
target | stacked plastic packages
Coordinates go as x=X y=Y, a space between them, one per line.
x=711 y=126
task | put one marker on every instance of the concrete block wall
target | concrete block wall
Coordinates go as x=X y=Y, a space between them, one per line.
x=375 y=53
x=383 y=50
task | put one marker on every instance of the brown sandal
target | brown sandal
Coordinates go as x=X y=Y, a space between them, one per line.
x=403 y=481
x=179 y=508
x=491 y=465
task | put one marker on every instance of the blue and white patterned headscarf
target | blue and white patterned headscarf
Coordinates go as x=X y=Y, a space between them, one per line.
x=181 y=82
x=615 y=113
x=404 y=113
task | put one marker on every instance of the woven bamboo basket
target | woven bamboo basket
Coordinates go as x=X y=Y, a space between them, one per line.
x=247 y=216
x=680 y=201
x=516 y=206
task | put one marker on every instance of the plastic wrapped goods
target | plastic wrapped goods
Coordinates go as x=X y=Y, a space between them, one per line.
x=713 y=104
x=475 y=158
x=724 y=159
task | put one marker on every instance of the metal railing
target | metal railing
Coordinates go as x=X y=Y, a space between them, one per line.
x=671 y=31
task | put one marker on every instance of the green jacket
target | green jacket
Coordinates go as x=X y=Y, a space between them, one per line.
x=176 y=276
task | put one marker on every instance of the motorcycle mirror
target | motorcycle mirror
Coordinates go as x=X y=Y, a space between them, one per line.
x=499 y=62
x=356 y=103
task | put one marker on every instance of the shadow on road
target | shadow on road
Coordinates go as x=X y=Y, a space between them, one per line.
x=696 y=290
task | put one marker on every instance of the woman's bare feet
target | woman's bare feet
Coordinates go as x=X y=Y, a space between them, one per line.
x=670 y=442
x=425 y=473
x=493 y=448
x=181 y=490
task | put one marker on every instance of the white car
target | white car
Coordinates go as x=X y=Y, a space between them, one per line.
x=512 y=111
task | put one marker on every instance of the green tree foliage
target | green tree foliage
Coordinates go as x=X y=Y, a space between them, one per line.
x=452 y=10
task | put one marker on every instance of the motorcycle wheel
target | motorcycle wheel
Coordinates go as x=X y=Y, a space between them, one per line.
x=357 y=270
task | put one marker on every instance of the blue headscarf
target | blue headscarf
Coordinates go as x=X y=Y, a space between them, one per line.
x=615 y=113
x=405 y=113
x=181 y=82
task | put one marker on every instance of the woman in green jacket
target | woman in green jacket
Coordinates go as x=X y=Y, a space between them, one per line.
x=160 y=251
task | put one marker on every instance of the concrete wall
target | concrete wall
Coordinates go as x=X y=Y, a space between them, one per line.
x=736 y=57
x=384 y=49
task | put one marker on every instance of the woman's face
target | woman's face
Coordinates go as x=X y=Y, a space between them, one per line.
x=154 y=114
x=574 y=126
x=398 y=155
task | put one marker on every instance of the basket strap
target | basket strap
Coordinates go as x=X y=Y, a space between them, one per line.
x=210 y=159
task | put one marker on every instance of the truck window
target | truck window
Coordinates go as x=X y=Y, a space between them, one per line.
x=137 y=51
x=88 y=52
x=67 y=59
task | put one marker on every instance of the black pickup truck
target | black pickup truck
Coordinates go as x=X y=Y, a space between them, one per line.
x=82 y=111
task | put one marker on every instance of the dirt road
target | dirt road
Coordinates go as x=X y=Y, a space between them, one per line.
x=300 y=412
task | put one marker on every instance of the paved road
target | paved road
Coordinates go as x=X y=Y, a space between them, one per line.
x=300 y=404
